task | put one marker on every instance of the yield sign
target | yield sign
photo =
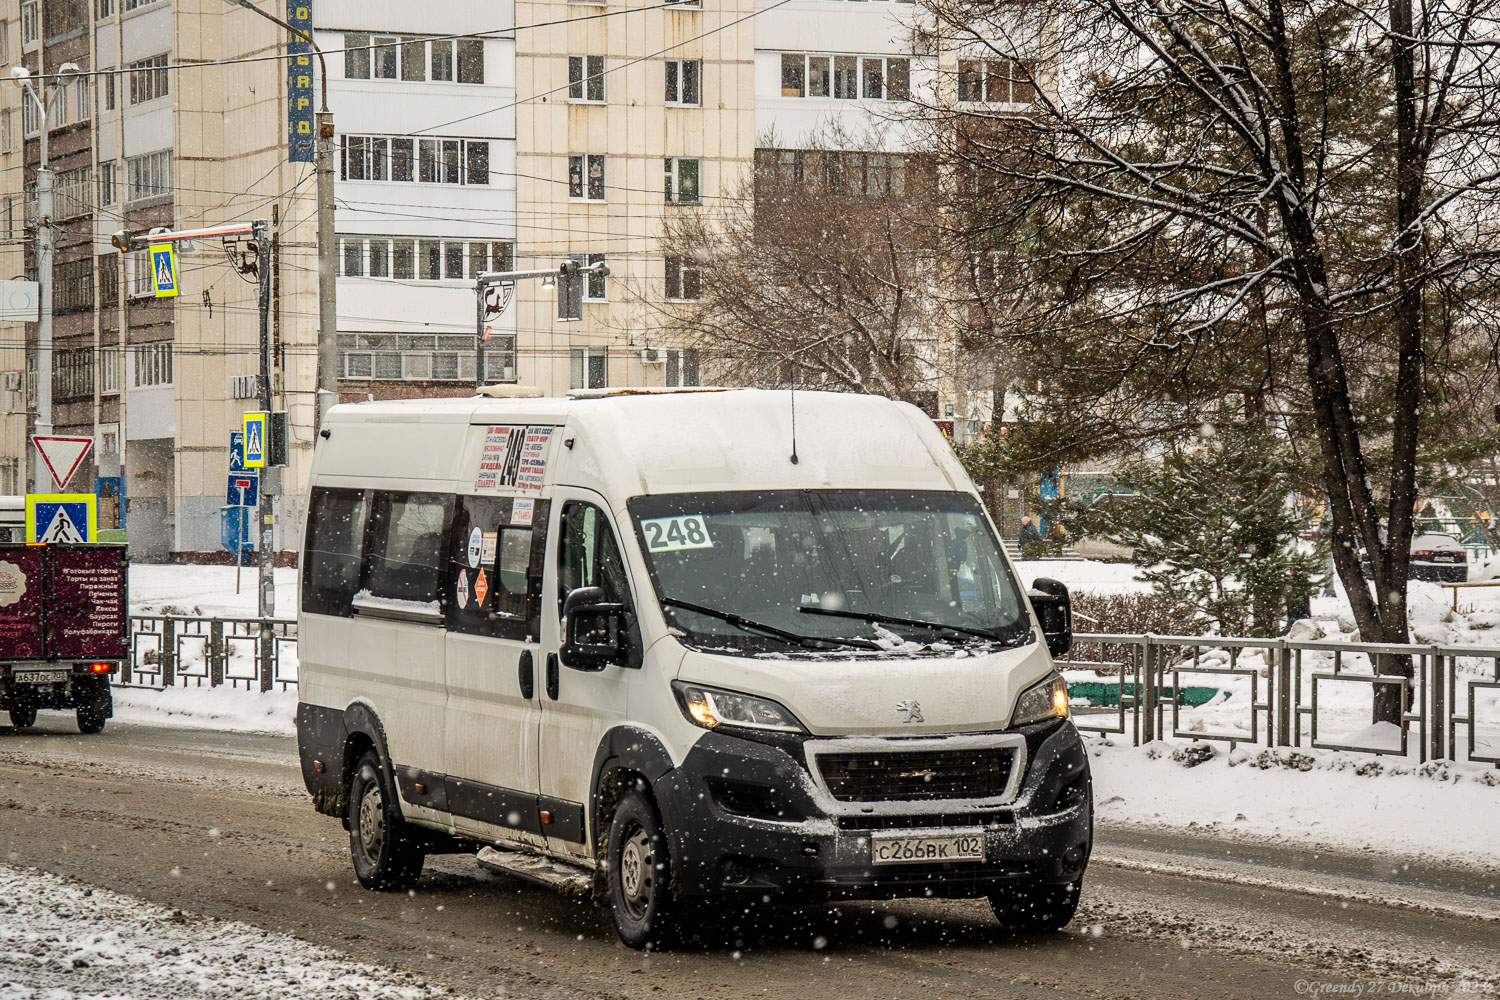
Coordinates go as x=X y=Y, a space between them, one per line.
x=62 y=456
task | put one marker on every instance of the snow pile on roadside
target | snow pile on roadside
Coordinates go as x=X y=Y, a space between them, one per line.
x=62 y=941
x=205 y=590
x=222 y=708
x=1391 y=805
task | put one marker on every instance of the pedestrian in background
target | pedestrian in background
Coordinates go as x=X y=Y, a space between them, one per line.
x=1028 y=536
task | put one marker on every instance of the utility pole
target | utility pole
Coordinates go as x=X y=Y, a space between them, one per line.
x=266 y=514
x=328 y=348
x=569 y=277
x=44 y=249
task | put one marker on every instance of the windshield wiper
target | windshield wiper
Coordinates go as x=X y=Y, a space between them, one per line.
x=866 y=616
x=751 y=624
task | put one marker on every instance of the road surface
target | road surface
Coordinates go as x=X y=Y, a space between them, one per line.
x=219 y=824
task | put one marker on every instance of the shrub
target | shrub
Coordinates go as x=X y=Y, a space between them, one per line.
x=1129 y=614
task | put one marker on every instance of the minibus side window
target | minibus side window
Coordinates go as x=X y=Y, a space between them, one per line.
x=588 y=556
x=335 y=538
x=407 y=545
x=494 y=568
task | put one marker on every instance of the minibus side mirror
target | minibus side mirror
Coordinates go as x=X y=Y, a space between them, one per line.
x=594 y=630
x=1054 y=612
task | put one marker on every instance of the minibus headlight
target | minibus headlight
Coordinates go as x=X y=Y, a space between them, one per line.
x=1046 y=700
x=713 y=707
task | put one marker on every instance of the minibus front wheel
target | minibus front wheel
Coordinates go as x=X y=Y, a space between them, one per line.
x=386 y=855
x=639 y=872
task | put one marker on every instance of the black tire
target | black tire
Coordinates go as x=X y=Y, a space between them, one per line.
x=639 y=870
x=1036 y=908
x=93 y=713
x=387 y=853
x=23 y=716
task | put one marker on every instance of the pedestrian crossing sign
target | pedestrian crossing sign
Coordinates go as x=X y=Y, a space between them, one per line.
x=164 y=269
x=62 y=517
x=256 y=425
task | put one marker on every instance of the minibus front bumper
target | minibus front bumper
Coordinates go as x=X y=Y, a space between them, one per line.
x=747 y=817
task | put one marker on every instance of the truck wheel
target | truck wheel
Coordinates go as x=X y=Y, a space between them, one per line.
x=23 y=716
x=93 y=713
x=640 y=879
x=386 y=854
x=1036 y=908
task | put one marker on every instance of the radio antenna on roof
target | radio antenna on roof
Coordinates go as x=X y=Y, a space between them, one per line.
x=794 y=414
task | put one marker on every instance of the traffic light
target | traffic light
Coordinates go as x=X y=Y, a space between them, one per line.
x=570 y=292
x=277 y=439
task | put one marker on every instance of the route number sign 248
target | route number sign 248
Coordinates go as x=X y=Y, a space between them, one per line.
x=669 y=534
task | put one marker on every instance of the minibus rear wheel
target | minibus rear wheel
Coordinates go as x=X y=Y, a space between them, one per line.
x=386 y=855
x=640 y=877
x=1037 y=908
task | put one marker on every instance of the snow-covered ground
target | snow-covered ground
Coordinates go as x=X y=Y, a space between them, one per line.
x=1350 y=801
x=205 y=590
x=60 y=940
x=224 y=709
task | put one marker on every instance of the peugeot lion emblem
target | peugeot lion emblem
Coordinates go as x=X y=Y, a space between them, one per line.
x=911 y=711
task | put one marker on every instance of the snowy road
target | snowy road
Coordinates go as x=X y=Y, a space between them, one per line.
x=217 y=826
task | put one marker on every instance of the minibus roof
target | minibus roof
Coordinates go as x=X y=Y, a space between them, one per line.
x=625 y=441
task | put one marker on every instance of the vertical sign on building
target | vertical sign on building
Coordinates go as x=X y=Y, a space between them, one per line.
x=299 y=84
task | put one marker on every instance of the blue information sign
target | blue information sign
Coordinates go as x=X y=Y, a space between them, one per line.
x=299 y=84
x=236 y=451
x=243 y=490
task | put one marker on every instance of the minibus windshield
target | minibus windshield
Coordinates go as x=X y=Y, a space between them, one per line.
x=829 y=569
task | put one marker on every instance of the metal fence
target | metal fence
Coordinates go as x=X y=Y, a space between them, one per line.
x=1146 y=683
x=1288 y=684
x=182 y=650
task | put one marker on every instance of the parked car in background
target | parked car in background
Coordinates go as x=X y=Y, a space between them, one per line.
x=1439 y=556
x=1435 y=555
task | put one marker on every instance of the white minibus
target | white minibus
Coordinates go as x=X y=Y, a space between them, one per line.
x=701 y=647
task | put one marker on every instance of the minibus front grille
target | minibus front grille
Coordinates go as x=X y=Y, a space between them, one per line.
x=917 y=775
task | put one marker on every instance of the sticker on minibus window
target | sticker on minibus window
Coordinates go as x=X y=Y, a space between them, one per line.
x=487 y=547
x=462 y=591
x=521 y=511
x=476 y=547
x=668 y=534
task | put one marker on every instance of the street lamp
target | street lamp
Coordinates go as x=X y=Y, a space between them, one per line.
x=44 y=247
x=328 y=357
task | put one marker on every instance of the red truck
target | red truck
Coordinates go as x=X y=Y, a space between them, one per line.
x=64 y=630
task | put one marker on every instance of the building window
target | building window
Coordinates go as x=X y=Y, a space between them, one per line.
x=682 y=366
x=29 y=23
x=109 y=281
x=73 y=193
x=104 y=8
x=130 y=5
x=996 y=81
x=793 y=75
x=451 y=258
x=148 y=176
x=73 y=374
x=82 y=105
x=138 y=277
x=107 y=89
x=109 y=373
x=149 y=79
x=107 y=183
x=683 y=76
x=682 y=176
x=152 y=362
x=588 y=368
x=412 y=58
x=845 y=78
x=406 y=158
x=684 y=281
x=73 y=285
x=424 y=357
x=7 y=143
x=31 y=122
x=586 y=176
x=586 y=78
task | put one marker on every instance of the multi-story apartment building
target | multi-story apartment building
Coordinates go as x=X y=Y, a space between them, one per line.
x=471 y=136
